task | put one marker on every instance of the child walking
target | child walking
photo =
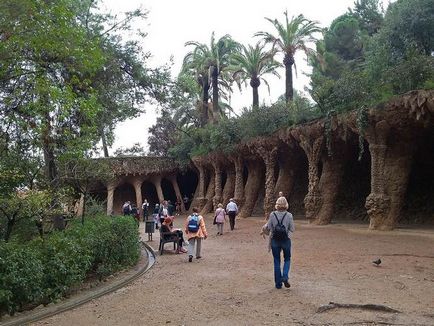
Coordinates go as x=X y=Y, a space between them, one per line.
x=196 y=231
x=220 y=216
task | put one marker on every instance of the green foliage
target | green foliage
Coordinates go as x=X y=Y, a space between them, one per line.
x=21 y=276
x=228 y=133
x=44 y=270
x=365 y=59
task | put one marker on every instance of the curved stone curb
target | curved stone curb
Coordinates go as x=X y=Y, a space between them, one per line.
x=75 y=302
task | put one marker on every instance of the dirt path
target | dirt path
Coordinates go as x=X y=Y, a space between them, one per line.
x=233 y=283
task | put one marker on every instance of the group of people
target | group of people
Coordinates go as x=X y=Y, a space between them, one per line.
x=279 y=227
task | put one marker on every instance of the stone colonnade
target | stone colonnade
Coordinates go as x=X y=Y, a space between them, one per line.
x=271 y=162
x=136 y=181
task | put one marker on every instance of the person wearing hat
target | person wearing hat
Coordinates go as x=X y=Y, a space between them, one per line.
x=167 y=228
x=232 y=211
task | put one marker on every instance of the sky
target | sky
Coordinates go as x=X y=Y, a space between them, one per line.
x=171 y=23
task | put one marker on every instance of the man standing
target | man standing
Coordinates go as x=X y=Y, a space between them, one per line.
x=232 y=211
x=145 y=209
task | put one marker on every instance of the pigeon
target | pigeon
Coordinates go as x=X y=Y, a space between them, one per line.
x=377 y=262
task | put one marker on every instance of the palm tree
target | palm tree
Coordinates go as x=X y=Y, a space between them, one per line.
x=194 y=64
x=252 y=63
x=292 y=36
x=214 y=59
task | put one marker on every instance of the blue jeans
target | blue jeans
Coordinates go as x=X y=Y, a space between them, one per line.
x=276 y=248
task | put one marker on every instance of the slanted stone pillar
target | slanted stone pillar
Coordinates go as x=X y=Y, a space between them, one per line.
x=218 y=191
x=156 y=180
x=268 y=152
x=285 y=179
x=111 y=187
x=313 y=149
x=209 y=196
x=254 y=183
x=137 y=184
x=228 y=190
x=239 y=180
x=391 y=158
x=172 y=179
x=331 y=178
x=200 y=200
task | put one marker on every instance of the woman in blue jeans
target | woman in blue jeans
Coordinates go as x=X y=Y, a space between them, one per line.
x=280 y=226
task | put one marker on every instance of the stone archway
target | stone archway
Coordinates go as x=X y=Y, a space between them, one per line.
x=149 y=192
x=168 y=191
x=188 y=182
x=123 y=193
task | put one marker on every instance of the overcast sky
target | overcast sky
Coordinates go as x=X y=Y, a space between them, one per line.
x=172 y=23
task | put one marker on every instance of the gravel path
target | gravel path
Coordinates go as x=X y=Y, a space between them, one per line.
x=233 y=283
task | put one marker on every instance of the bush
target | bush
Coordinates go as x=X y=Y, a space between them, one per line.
x=41 y=271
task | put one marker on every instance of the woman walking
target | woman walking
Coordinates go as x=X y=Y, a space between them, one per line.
x=280 y=226
x=196 y=231
x=219 y=218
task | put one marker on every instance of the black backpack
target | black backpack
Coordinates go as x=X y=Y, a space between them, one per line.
x=280 y=233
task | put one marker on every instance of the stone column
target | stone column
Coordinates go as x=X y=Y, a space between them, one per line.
x=313 y=149
x=390 y=170
x=228 y=190
x=217 y=182
x=251 y=190
x=239 y=180
x=80 y=208
x=137 y=184
x=111 y=187
x=208 y=206
x=156 y=180
x=175 y=186
x=285 y=179
x=200 y=199
x=331 y=177
x=268 y=152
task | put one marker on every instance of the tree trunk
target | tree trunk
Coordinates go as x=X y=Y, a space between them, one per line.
x=48 y=149
x=204 y=116
x=288 y=61
x=104 y=142
x=215 y=95
x=255 y=98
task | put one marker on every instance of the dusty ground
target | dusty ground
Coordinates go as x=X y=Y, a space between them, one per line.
x=233 y=283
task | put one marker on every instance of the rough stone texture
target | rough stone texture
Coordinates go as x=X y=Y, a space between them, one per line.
x=239 y=180
x=312 y=142
x=218 y=191
x=199 y=201
x=209 y=195
x=229 y=188
x=331 y=177
x=253 y=184
x=267 y=150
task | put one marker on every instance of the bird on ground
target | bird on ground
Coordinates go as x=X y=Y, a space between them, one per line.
x=377 y=262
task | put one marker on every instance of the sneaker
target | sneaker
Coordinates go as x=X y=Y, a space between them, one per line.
x=198 y=257
x=286 y=283
x=182 y=250
x=190 y=259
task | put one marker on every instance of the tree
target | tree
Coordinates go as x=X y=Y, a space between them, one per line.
x=294 y=35
x=251 y=63
x=211 y=62
x=66 y=77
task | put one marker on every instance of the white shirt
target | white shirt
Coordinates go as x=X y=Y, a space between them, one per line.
x=232 y=207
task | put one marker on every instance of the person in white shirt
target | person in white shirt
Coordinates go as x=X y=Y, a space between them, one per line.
x=232 y=211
